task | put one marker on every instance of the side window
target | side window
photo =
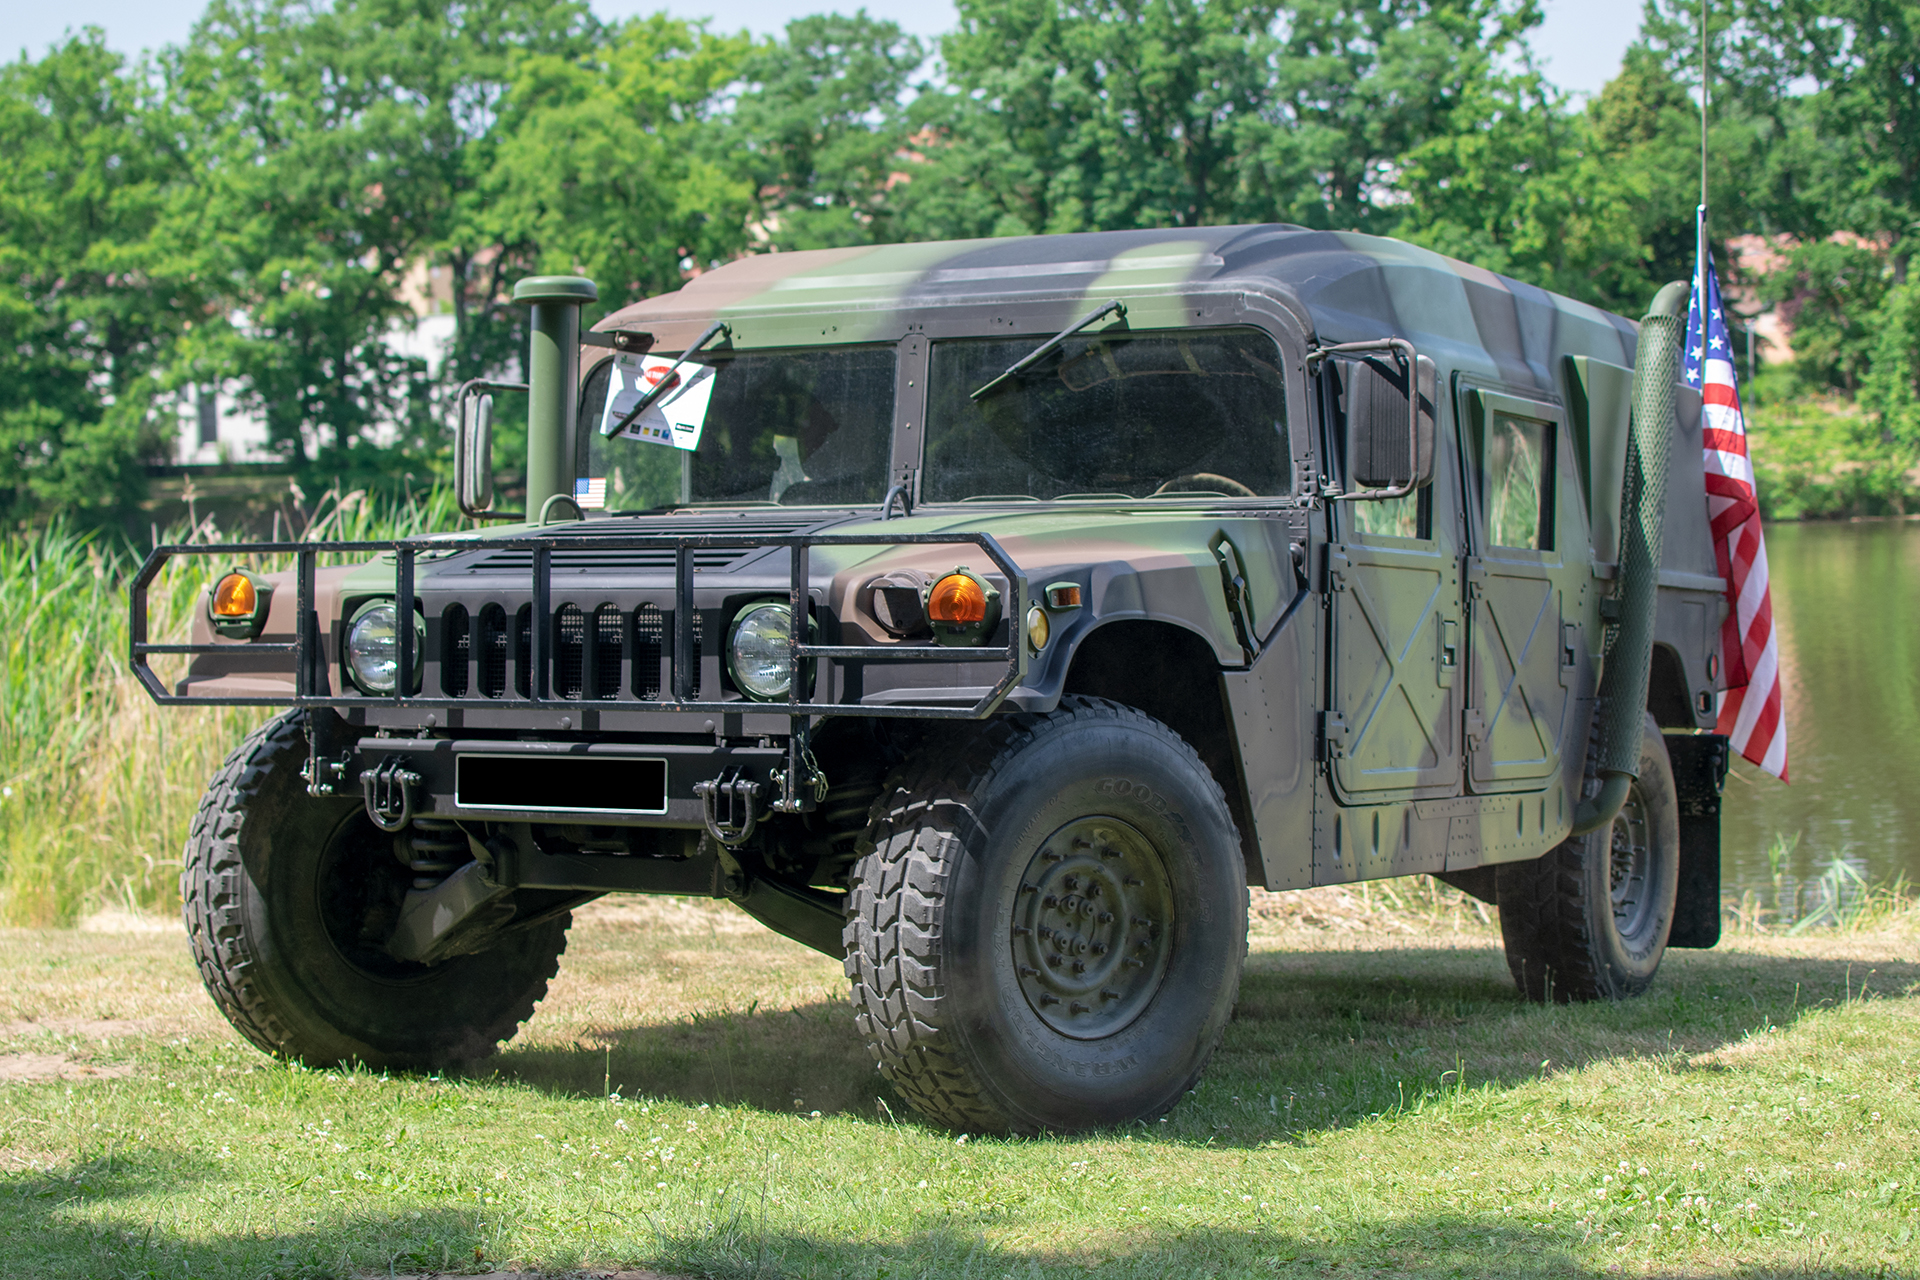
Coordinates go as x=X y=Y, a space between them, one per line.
x=1408 y=517
x=1517 y=482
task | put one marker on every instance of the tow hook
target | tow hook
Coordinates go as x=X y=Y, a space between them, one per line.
x=729 y=804
x=388 y=788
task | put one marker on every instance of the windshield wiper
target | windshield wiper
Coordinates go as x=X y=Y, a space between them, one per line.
x=669 y=379
x=1116 y=307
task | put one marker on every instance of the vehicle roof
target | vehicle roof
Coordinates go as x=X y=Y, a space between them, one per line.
x=1347 y=286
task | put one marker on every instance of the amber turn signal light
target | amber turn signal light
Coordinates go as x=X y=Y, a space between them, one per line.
x=958 y=601
x=235 y=597
x=237 y=605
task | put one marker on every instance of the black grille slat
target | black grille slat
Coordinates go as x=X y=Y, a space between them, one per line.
x=649 y=634
x=493 y=651
x=523 y=652
x=569 y=651
x=456 y=646
x=605 y=649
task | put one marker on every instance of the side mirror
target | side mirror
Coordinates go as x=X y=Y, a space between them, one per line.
x=1389 y=428
x=473 y=467
x=473 y=450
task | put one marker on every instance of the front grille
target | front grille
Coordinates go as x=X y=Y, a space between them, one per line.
x=649 y=634
x=606 y=652
x=569 y=651
x=493 y=651
x=593 y=650
x=456 y=645
x=523 y=652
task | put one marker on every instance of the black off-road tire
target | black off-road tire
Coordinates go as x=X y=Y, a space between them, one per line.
x=274 y=890
x=949 y=1010
x=1589 y=921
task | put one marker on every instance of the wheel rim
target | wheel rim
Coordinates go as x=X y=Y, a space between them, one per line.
x=1092 y=927
x=1630 y=867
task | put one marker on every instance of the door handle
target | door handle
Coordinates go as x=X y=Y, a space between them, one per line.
x=1233 y=580
x=1449 y=650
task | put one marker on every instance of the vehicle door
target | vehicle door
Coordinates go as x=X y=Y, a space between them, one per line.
x=1517 y=459
x=1391 y=730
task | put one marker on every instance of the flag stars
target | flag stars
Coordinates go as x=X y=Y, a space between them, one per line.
x=1715 y=342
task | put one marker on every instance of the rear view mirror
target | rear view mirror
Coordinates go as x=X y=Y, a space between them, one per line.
x=1389 y=441
x=473 y=450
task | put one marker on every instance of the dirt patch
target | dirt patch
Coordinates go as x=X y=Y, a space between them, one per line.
x=120 y=920
x=1368 y=909
x=27 y=1067
x=83 y=1028
x=535 y=1275
x=697 y=916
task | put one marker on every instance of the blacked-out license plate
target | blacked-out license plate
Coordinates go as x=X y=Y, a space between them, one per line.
x=578 y=784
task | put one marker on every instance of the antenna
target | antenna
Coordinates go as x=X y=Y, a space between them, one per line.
x=1700 y=218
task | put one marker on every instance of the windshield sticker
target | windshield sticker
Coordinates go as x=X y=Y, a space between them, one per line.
x=676 y=417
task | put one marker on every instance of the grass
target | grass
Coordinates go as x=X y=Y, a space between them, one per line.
x=97 y=784
x=692 y=1098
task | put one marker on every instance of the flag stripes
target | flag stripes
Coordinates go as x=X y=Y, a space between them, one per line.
x=1752 y=710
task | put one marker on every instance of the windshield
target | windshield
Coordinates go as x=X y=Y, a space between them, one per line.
x=806 y=427
x=1120 y=414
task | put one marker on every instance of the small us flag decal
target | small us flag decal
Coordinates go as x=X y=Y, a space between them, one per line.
x=590 y=494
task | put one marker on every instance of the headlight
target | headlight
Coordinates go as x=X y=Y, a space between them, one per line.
x=373 y=647
x=758 y=650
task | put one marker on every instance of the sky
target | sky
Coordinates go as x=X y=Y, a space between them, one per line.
x=1581 y=42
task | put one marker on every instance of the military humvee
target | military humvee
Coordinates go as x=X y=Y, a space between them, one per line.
x=989 y=615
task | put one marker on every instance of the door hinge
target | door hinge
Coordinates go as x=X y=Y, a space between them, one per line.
x=1338 y=565
x=1333 y=735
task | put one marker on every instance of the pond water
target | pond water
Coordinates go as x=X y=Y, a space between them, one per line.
x=1846 y=599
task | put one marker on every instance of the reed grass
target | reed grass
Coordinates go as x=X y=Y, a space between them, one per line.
x=97 y=784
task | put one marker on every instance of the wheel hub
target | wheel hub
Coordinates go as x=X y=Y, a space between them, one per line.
x=1092 y=927
x=1630 y=862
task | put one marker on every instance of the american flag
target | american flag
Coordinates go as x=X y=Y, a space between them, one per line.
x=1752 y=712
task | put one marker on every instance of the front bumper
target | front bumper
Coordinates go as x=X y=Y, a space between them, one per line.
x=588 y=784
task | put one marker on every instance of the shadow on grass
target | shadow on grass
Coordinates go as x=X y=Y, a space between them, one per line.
x=74 y=1222
x=1321 y=1039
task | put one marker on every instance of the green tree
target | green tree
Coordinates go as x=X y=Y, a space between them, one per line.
x=1089 y=114
x=85 y=326
x=1597 y=204
x=610 y=165
x=332 y=150
x=824 y=128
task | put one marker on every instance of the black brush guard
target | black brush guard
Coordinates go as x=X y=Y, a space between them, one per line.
x=308 y=655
